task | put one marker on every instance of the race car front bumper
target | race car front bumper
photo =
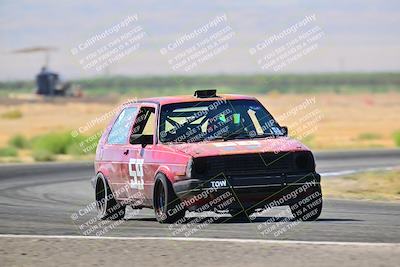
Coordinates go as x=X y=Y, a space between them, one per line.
x=249 y=191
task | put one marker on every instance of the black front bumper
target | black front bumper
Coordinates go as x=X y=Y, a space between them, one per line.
x=249 y=191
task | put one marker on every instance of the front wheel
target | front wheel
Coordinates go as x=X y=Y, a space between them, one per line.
x=308 y=208
x=167 y=206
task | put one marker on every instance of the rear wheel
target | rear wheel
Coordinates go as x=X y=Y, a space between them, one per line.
x=308 y=208
x=167 y=206
x=107 y=206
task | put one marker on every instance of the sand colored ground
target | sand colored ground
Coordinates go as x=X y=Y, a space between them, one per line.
x=382 y=186
x=44 y=117
x=347 y=120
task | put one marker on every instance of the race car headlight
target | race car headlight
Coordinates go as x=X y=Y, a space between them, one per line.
x=305 y=162
x=200 y=165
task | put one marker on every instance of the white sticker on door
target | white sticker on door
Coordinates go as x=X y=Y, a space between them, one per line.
x=136 y=173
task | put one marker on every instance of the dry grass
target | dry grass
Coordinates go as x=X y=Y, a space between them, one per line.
x=345 y=118
x=11 y=114
x=52 y=117
x=372 y=186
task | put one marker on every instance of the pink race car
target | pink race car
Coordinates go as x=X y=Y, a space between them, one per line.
x=207 y=152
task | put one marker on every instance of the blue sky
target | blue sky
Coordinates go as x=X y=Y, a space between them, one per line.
x=358 y=35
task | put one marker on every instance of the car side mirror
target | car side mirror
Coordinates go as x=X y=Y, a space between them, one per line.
x=285 y=130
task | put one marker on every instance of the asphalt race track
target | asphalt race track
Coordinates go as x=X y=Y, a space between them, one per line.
x=45 y=220
x=40 y=200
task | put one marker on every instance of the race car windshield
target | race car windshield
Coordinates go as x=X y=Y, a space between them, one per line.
x=221 y=119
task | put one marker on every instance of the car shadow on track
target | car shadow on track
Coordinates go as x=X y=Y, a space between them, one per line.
x=228 y=219
x=275 y=220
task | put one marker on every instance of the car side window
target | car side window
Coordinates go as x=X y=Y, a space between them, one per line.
x=144 y=125
x=120 y=130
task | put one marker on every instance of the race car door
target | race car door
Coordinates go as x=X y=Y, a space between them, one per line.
x=139 y=170
x=112 y=150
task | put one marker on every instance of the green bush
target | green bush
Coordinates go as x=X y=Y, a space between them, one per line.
x=18 y=141
x=369 y=136
x=84 y=145
x=12 y=114
x=56 y=143
x=396 y=137
x=43 y=155
x=75 y=149
x=8 y=152
x=64 y=143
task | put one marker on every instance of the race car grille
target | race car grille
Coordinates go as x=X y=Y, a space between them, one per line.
x=254 y=164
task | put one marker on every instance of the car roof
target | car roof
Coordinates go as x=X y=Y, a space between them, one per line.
x=188 y=98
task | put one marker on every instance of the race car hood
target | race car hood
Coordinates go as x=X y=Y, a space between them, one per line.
x=231 y=147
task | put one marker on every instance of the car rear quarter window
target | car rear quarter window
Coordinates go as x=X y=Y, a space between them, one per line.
x=120 y=130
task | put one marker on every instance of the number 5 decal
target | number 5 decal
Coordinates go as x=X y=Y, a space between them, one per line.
x=136 y=172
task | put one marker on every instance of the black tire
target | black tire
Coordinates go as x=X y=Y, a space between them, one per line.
x=107 y=206
x=308 y=208
x=167 y=206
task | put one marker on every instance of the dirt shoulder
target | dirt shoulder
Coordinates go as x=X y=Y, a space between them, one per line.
x=379 y=185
